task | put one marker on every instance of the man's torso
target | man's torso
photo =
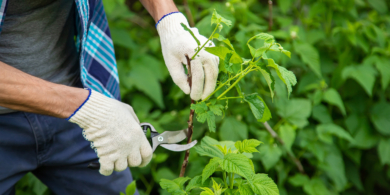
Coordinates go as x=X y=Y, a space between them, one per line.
x=37 y=38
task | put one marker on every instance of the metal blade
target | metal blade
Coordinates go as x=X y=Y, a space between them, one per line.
x=179 y=147
x=173 y=137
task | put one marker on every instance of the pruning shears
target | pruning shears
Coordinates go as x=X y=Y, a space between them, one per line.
x=167 y=140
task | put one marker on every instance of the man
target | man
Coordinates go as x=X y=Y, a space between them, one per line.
x=44 y=110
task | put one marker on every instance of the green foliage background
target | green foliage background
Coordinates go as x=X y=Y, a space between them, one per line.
x=336 y=121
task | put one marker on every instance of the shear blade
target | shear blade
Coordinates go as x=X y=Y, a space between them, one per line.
x=173 y=137
x=179 y=147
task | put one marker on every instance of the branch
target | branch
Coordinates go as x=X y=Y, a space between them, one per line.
x=190 y=121
x=189 y=14
x=270 y=22
x=290 y=154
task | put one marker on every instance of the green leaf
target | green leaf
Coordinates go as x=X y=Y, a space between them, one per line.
x=383 y=151
x=256 y=105
x=207 y=148
x=269 y=79
x=121 y=193
x=210 y=168
x=333 y=166
x=227 y=62
x=298 y=180
x=199 y=107
x=287 y=134
x=331 y=96
x=207 y=191
x=287 y=53
x=295 y=111
x=320 y=113
x=211 y=121
x=144 y=80
x=245 y=189
x=316 y=187
x=237 y=163
x=285 y=75
x=217 y=188
x=174 y=187
x=270 y=155
x=363 y=74
x=379 y=5
x=130 y=189
x=267 y=113
x=380 y=116
x=232 y=129
x=269 y=39
x=195 y=182
x=216 y=19
x=248 y=146
x=223 y=39
x=190 y=31
x=325 y=131
x=264 y=185
x=217 y=109
x=382 y=64
x=309 y=55
x=218 y=51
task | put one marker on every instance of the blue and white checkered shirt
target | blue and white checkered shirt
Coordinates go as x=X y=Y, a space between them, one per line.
x=97 y=57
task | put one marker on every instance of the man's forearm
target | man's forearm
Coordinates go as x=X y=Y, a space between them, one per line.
x=158 y=8
x=23 y=92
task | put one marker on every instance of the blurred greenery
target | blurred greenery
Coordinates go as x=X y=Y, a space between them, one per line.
x=336 y=121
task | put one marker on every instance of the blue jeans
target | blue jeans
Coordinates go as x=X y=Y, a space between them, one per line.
x=55 y=151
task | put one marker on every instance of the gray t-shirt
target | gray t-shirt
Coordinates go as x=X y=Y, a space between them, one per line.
x=38 y=38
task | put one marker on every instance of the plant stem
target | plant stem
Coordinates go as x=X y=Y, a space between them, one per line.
x=224 y=179
x=232 y=181
x=190 y=122
x=290 y=153
x=226 y=98
x=211 y=36
x=235 y=83
x=189 y=14
x=270 y=22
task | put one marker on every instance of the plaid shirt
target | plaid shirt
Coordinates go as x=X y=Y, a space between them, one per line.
x=97 y=57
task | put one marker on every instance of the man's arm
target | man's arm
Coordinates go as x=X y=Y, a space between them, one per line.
x=23 y=92
x=158 y=8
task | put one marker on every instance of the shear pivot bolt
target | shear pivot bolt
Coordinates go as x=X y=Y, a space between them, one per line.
x=160 y=138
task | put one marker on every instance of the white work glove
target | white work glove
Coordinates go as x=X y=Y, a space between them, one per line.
x=114 y=132
x=175 y=43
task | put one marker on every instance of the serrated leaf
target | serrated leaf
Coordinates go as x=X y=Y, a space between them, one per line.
x=331 y=96
x=195 y=182
x=130 y=189
x=199 y=107
x=326 y=130
x=295 y=111
x=216 y=109
x=211 y=121
x=316 y=187
x=207 y=191
x=207 y=148
x=256 y=105
x=174 y=187
x=216 y=19
x=285 y=75
x=263 y=185
x=232 y=129
x=190 y=31
x=237 y=163
x=310 y=56
x=245 y=189
x=248 y=146
x=217 y=188
x=267 y=113
x=363 y=74
x=210 y=168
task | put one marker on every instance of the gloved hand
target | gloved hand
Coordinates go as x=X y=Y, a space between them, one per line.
x=175 y=43
x=114 y=132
